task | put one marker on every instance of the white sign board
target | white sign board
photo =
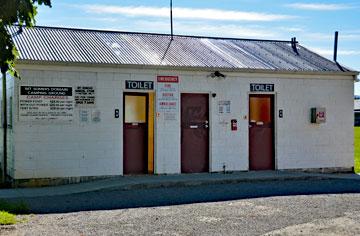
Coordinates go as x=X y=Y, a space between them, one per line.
x=224 y=107
x=37 y=103
x=85 y=96
x=168 y=96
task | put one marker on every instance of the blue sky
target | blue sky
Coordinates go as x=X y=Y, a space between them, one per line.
x=312 y=22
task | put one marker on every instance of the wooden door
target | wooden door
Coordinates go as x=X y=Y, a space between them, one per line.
x=261 y=132
x=135 y=133
x=194 y=133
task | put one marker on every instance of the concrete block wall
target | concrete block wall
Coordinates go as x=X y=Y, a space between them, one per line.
x=44 y=150
x=167 y=146
x=227 y=147
x=64 y=149
x=301 y=144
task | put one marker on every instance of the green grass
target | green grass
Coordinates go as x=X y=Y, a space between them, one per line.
x=7 y=218
x=357 y=149
x=8 y=211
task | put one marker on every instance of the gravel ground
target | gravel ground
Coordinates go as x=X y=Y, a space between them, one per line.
x=330 y=207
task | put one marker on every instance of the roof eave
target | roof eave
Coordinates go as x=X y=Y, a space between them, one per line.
x=190 y=68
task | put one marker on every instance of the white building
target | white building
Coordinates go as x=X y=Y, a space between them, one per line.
x=99 y=103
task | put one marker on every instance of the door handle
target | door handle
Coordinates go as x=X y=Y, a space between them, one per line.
x=194 y=126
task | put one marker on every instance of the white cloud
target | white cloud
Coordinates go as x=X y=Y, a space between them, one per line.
x=184 y=13
x=230 y=31
x=291 y=29
x=105 y=19
x=205 y=29
x=320 y=6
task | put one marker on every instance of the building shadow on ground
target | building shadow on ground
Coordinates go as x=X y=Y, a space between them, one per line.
x=124 y=199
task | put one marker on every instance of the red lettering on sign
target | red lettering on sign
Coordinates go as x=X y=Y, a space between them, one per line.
x=168 y=79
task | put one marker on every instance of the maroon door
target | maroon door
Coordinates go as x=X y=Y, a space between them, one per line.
x=135 y=133
x=261 y=132
x=194 y=133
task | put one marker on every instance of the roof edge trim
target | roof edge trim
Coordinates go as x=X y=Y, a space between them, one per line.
x=166 y=67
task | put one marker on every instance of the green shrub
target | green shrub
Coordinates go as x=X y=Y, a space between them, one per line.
x=7 y=218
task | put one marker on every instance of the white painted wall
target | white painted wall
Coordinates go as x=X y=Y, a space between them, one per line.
x=45 y=150
x=304 y=145
x=77 y=148
x=10 y=137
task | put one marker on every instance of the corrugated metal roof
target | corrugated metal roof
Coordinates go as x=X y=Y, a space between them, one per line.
x=124 y=48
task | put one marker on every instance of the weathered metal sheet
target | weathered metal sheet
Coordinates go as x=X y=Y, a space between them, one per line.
x=105 y=47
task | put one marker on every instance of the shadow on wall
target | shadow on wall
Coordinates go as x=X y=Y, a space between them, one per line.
x=114 y=199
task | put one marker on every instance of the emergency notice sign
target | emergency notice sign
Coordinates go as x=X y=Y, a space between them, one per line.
x=168 y=94
x=37 y=103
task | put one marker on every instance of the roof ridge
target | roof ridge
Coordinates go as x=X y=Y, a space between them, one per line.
x=161 y=34
x=144 y=49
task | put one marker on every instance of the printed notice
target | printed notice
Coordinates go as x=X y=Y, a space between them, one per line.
x=84 y=115
x=85 y=96
x=46 y=103
x=168 y=96
x=224 y=107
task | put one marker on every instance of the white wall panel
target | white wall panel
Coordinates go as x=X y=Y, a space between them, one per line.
x=45 y=150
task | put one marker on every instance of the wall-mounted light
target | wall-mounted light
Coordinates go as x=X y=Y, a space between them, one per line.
x=217 y=74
